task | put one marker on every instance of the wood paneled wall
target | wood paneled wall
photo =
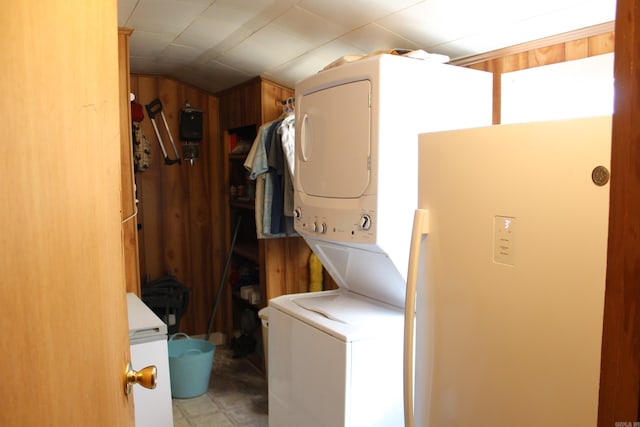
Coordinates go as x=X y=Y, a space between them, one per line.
x=181 y=208
x=593 y=41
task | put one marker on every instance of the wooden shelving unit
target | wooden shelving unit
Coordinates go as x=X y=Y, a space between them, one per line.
x=281 y=263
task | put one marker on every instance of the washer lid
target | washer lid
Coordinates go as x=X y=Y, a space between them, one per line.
x=343 y=314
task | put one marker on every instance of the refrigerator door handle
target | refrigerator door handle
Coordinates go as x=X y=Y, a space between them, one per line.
x=420 y=230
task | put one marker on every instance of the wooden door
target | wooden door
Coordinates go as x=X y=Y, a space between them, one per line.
x=620 y=364
x=63 y=327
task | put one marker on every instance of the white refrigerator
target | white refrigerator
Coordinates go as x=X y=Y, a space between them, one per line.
x=509 y=257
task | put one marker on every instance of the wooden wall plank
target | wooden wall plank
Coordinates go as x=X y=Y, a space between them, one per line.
x=175 y=197
x=300 y=264
x=275 y=277
x=151 y=214
x=600 y=44
x=576 y=49
x=200 y=227
x=546 y=55
x=516 y=61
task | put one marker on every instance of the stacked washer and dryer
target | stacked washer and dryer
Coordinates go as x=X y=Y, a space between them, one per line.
x=336 y=357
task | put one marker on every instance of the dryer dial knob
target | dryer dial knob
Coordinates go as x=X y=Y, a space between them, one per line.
x=365 y=222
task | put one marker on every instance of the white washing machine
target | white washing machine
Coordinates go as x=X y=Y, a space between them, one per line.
x=335 y=360
x=148 y=344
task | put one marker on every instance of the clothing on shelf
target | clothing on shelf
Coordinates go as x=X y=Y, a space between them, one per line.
x=270 y=164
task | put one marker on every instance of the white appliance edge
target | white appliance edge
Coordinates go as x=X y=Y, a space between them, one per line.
x=509 y=259
x=148 y=346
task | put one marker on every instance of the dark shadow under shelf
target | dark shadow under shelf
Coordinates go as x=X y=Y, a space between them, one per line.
x=247 y=250
x=243 y=203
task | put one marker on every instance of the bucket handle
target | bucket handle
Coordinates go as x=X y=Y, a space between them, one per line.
x=179 y=333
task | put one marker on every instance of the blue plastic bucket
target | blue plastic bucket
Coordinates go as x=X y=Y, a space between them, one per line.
x=190 y=362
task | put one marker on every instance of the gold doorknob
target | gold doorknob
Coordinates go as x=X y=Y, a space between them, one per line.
x=147 y=377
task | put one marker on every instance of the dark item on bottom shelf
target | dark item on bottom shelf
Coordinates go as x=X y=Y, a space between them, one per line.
x=242 y=345
x=168 y=299
x=246 y=343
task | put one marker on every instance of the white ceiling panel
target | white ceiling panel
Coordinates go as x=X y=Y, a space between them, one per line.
x=304 y=25
x=297 y=69
x=206 y=32
x=253 y=14
x=373 y=37
x=165 y=16
x=539 y=26
x=180 y=54
x=221 y=76
x=257 y=52
x=125 y=9
x=423 y=22
x=219 y=43
x=150 y=66
x=148 y=44
x=355 y=13
x=336 y=49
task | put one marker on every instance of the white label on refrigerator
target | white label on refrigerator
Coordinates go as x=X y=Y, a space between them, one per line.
x=504 y=228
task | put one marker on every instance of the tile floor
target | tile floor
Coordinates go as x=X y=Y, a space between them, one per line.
x=237 y=396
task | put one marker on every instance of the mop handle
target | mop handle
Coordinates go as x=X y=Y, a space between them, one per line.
x=224 y=278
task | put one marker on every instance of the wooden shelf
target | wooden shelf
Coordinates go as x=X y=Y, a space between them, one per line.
x=247 y=250
x=282 y=263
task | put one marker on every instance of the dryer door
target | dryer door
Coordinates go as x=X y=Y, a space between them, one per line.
x=333 y=146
